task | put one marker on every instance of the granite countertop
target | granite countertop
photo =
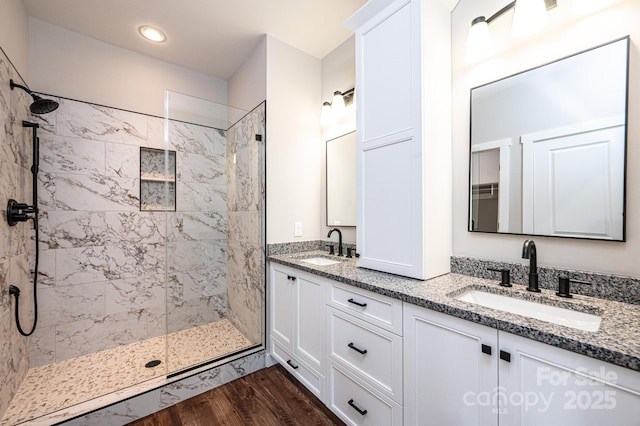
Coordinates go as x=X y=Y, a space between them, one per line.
x=617 y=341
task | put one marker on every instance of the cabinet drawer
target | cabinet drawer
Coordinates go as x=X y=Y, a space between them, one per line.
x=309 y=378
x=381 y=364
x=379 y=310
x=355 y=404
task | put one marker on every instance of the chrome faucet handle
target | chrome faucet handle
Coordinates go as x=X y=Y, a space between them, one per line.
x=564 y=286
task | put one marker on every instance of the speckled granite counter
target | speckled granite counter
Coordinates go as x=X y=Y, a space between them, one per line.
x=617 y=341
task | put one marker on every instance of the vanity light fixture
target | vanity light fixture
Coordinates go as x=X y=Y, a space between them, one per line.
x=337 y=108
x=528 y=17
x=152 y=34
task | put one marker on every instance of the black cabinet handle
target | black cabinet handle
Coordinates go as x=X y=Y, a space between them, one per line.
x=352 y=346
x=291 y=277
x=355 y=407
x=363 y=305
x=505 y=356
x=295 y=367
x=486 y=349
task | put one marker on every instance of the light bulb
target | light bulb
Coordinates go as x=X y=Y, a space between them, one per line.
x=326 y=115
x=337 y=105
x=479 y=45
x=529 y=16
x=152 y=34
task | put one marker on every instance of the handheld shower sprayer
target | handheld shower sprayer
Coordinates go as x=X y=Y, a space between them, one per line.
x=22 y=212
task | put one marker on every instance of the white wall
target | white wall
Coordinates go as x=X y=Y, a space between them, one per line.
x=72 y=65
x=294 y=145
x=338 y=73
x=566 y=34
x=14 y=34
x=248 y=85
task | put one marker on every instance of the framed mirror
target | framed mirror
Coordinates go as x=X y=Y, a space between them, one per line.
x=548 y=148
x=341 y=180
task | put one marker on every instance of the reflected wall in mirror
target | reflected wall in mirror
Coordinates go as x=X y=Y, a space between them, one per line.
x=548 y=148
x=341 y=180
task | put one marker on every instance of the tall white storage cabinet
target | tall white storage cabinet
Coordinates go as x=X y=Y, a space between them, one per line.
x=403 y=104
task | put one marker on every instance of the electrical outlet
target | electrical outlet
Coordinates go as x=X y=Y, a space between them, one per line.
x=297 y=229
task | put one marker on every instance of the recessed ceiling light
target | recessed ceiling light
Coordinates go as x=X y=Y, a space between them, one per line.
x=152 y=34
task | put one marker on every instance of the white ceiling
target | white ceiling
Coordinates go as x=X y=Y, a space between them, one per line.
x=211 y=36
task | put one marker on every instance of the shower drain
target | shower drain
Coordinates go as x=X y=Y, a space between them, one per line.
x=154 y=363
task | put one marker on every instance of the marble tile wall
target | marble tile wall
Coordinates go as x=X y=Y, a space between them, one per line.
x=103 y=261
x=246 y=226
x=16 y=243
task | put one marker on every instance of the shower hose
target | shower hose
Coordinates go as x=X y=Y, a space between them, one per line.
x=15 y=291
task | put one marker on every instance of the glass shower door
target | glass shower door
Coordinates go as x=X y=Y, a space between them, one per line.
x=215 y=251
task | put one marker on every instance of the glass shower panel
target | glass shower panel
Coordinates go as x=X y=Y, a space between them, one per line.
x=215 y=236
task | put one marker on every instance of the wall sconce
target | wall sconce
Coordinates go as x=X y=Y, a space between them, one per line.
x=529 y=16
x=337 y=108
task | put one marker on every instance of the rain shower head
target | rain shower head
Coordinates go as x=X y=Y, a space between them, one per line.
x=39 y=105
x=42 y=106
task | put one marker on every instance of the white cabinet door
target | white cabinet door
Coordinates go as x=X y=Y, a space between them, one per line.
x=449 y=380
x=281 y=314
x=542 y=384
x=309 y=321
x=567 y=182
x=297 y=324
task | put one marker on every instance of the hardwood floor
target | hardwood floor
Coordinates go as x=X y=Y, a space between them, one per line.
x=267 y=397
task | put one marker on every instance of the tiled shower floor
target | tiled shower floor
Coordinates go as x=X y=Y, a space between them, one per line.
x=66 y=383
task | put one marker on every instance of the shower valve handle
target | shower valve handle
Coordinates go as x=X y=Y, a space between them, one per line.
x=18 y=212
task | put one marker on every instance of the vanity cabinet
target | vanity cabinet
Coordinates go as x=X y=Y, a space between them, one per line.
x=459 y=372
x=343 y=343
x=404 y=136
x=297 y=324
x=364 y=350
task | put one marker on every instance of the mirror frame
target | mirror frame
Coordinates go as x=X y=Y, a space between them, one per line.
x=626 y=138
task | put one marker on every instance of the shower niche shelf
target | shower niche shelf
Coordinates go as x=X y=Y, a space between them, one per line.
x=157 y=180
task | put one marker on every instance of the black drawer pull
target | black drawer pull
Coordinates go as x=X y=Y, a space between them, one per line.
x=362 y=305
x=295 y=367
x=486 y=349
x=505 y=356
x=352 y=346
x=291 y=277
x=355 y=407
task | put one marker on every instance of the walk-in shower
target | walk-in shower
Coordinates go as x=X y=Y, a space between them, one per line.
x=152 y=249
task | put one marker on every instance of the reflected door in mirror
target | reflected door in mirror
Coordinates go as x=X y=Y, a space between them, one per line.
x=547 y=149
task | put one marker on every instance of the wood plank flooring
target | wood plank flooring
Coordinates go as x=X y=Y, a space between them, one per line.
x=267 y=397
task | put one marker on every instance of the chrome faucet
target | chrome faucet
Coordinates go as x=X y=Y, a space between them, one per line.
x=339 y=239
x=529 y=252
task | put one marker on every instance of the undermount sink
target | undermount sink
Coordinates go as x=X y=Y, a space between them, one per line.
x=320 y=261
x=552 y=314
